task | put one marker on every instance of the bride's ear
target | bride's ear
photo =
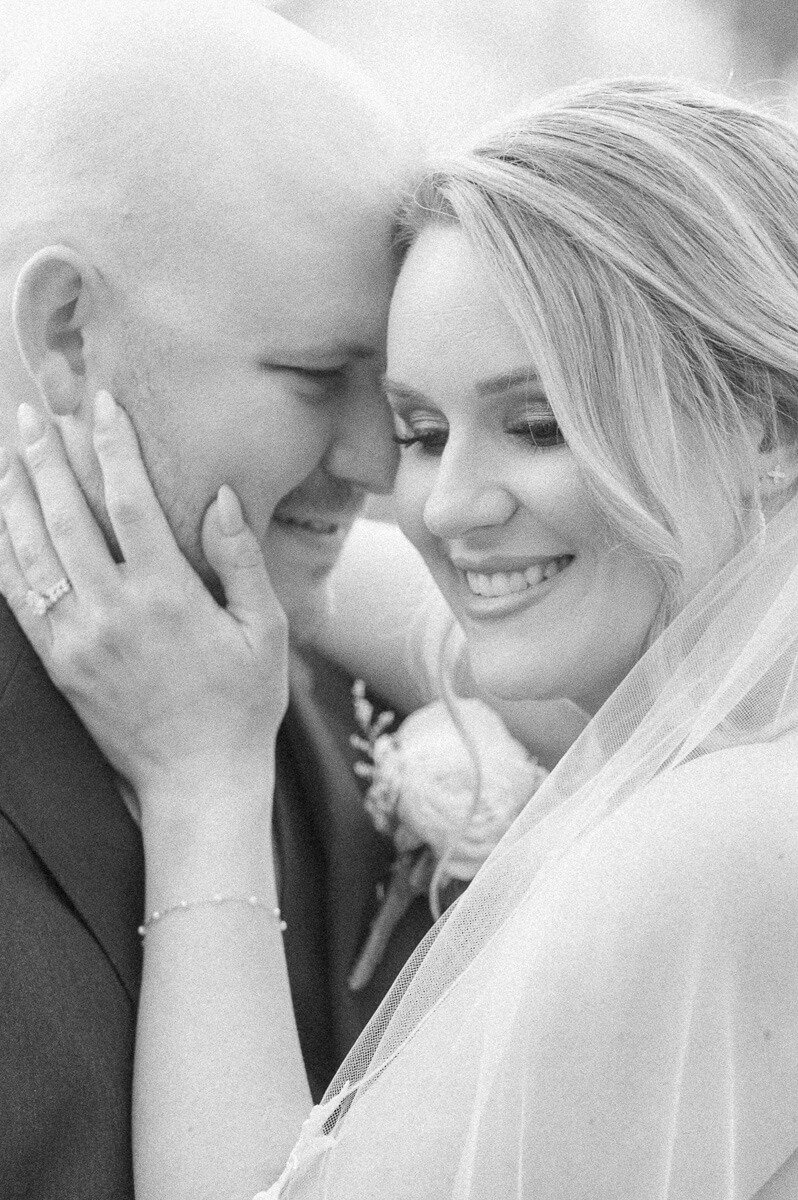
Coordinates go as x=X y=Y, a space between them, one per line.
x=778 y=475
x=55 y=295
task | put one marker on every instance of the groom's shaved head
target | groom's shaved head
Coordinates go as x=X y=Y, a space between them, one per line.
x=193 y=196
x=132 y=122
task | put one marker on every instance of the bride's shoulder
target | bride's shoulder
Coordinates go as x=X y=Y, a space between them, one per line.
x=760 y=778
x=712 y=844
x=727 y=817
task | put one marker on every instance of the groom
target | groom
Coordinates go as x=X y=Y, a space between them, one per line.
x=195 y=214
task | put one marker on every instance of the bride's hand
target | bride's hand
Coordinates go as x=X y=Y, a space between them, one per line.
x=177 y=691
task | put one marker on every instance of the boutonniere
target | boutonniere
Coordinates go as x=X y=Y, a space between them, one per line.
x=445 y=786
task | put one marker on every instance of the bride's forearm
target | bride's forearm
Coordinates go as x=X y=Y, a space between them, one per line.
x=220 y=1090
x=185 y=699
x=205 y=836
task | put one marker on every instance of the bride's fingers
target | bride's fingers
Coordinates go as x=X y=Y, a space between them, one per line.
x=68 y=533
x=141 y=528
x=234 y=554
x=26 y=534
x=14 y=587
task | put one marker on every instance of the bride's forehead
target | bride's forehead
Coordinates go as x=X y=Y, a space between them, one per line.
x=447 y=307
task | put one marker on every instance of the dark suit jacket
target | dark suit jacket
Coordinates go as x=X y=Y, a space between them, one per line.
x=71 y=898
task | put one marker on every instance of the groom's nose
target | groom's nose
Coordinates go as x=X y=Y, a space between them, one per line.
x=362 y=450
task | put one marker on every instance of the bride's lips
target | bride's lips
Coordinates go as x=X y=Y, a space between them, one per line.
x=496 y=588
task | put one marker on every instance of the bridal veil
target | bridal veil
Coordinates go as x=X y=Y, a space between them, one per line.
x=610 y=1011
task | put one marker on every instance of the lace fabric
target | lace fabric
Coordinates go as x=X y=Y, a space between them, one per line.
x=611 y=1010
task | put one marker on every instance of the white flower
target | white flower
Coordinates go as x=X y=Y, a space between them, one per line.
x=429 y=768
x=444 y=813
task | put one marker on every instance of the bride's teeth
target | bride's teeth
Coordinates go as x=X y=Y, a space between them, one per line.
x=508 y=583
x=534 y=575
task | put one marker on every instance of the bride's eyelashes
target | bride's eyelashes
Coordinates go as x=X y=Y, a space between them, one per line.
x=541 y=433
x=431 y=441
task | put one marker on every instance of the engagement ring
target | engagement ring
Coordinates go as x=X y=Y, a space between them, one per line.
x=41 y=602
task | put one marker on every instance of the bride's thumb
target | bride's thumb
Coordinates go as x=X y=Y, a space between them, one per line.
x=233 y=552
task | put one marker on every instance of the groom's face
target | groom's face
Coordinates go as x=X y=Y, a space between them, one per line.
x=252 y=353
x=225 y=185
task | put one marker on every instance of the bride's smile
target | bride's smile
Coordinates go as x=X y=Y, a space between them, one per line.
x=491 y=591
x=491 y=580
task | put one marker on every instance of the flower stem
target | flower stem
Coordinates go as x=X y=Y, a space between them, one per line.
x=410 y=877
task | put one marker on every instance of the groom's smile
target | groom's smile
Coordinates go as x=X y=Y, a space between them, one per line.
x=304 y=539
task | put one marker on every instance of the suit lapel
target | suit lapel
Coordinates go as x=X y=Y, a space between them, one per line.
x=355 y=857
x=302 y=887
x=59 y=793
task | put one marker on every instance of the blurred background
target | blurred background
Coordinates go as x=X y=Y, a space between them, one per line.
x=452 y=65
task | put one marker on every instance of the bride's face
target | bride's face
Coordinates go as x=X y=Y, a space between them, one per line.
x=551 y=604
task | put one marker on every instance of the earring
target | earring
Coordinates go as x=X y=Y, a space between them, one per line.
x=777 y=475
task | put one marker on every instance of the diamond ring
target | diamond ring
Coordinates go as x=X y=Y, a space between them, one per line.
x=41 y=602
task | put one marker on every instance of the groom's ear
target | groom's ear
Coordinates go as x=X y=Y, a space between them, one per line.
x=56 y=294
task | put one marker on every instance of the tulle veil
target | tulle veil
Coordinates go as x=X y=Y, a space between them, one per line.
x=724 y=674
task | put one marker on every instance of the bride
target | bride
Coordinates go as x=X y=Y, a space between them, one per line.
x=593 y=366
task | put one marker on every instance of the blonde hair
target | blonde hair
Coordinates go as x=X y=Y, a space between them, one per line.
x=644 y=235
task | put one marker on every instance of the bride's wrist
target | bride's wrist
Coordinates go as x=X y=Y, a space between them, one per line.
x=224 y=851
x=207 y=812
x=182 y=813
x=196 y=792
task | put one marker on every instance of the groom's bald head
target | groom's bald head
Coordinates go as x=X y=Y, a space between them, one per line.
x=136 y=123
x=192 y=193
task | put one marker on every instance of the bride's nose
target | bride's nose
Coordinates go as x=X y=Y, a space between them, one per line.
x=467 y=493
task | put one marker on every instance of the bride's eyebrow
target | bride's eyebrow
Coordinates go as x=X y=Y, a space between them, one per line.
x=398 y=391
x=494 y=385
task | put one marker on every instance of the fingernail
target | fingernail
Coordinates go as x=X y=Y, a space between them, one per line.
x=31 y=426
x=105 y=409
x=5 y=461
x=231 y=518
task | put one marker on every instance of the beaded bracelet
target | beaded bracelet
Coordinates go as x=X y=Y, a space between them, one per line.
x=217 y=898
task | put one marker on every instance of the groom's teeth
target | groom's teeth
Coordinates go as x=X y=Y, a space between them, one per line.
x=320 y=527
x=508 y=583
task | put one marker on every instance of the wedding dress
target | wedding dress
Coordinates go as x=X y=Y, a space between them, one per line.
x=610 y=1012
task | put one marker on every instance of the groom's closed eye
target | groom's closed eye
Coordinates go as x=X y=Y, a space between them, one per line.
x=324 y=381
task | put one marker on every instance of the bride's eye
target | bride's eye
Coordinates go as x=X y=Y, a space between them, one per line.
x=542 y=432
x=430 y=439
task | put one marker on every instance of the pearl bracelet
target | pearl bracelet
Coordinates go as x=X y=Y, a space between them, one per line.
x=217 y=898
